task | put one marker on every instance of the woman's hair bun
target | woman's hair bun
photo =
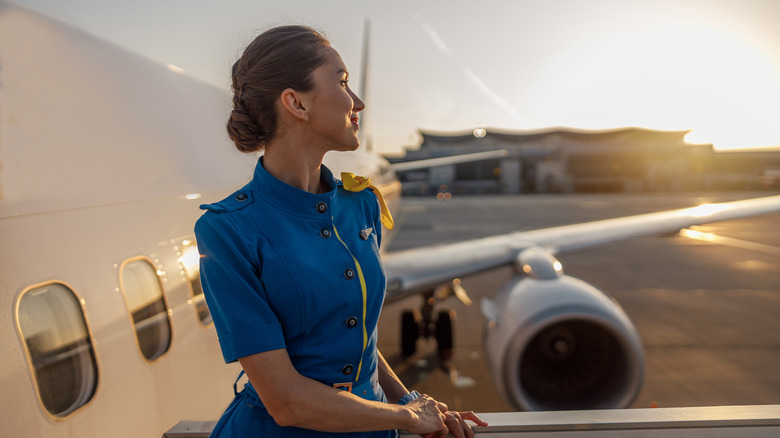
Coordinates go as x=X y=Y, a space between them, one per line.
x=242 y=128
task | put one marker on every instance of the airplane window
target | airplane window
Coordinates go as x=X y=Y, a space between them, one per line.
x=143 y=293
x=190 y=261
x=59 y=347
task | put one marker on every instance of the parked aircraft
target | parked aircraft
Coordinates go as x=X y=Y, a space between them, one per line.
x=104 y=158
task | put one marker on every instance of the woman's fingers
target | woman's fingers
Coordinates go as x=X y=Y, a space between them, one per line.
x=457 y=426
x=471 y=416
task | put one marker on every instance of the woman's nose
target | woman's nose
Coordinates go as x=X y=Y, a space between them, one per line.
x=357 y=104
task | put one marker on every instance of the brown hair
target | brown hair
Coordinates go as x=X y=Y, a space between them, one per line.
x=280 y=58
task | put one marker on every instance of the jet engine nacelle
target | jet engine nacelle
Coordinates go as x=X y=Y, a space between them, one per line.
x=557 y=343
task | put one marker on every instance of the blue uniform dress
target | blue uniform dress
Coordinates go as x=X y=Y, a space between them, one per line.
x=284 y=268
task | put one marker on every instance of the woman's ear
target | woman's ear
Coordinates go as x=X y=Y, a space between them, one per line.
x=292 y=103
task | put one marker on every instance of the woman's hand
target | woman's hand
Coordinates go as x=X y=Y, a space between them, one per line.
x=453 y=422
x=456 y=423
x=429 y=418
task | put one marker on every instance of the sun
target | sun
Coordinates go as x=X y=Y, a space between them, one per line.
x=718 y=84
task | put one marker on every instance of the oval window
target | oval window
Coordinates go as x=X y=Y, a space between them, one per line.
x=59 y=347
x=143 y=293
x=190 y=261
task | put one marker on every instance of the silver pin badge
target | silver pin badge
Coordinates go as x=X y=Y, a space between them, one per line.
x=365 y=233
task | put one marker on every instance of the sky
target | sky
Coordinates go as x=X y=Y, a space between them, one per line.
x=709 y=66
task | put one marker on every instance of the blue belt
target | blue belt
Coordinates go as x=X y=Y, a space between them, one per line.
x=366 y=389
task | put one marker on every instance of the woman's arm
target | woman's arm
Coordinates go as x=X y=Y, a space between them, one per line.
x=390 y=383
x=294 y=400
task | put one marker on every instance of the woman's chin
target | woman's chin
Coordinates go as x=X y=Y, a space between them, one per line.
x=349 y=146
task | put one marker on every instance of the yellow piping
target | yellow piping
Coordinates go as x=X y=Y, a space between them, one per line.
x=363 y=289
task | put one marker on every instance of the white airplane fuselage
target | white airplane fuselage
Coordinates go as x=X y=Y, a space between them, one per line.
x=84 y=249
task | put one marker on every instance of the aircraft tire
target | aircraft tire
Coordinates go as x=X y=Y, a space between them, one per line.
x=445 y=334
x=410 y=331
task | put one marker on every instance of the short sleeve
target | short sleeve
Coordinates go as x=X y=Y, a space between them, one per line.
x=229 y=266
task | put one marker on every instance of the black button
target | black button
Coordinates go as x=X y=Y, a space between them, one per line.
x=347 y=370
x=321 y=207
x=325 y=233
x=241 y=197
x=351 y=322
x=349 y=273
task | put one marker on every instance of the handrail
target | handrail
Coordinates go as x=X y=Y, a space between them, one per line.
x=708 y=421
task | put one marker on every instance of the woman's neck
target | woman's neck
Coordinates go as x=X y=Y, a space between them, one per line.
x=295 y=164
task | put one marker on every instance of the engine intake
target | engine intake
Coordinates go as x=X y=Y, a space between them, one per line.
x=572 y=365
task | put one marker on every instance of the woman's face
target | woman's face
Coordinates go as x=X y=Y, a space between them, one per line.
x=332 y=106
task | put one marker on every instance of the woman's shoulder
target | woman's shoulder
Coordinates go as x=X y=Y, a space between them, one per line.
x=226 y=213
x=236 y=201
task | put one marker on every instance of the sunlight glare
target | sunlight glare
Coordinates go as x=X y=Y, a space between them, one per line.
x=697 y=235
x=176 y=69
x=705 y=210
x=190 y=260
x=682 y=76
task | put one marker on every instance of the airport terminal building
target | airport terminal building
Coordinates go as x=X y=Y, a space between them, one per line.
x=566 y=160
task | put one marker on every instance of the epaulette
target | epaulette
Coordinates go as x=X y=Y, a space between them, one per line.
x=236 y=201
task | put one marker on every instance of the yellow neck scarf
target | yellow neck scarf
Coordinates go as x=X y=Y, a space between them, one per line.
x=355 y=183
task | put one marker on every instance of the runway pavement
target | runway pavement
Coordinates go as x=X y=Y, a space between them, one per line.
x=708 y=313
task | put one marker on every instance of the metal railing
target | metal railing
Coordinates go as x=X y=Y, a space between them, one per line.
x=713 y=421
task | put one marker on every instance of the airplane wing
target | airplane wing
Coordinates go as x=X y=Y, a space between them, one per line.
x=416 y=270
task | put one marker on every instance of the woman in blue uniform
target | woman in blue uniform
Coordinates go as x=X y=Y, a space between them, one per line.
x=290 y=263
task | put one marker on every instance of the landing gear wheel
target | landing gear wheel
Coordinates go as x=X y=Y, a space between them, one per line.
x=444 y=334
x=410 y=331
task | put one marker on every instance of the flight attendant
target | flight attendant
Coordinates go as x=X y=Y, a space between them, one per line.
x=290 y=263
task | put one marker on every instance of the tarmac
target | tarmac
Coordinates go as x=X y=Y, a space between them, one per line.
x=708 y=312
